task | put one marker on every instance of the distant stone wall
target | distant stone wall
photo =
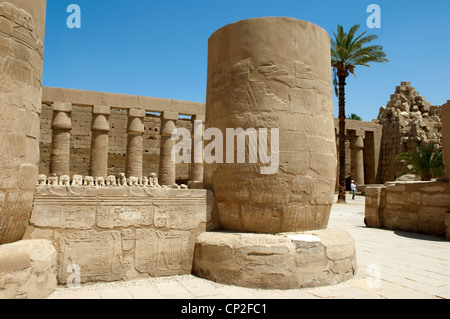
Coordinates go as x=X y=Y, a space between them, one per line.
x=118 y=233
x=80 y=142
x=408 y=120
x=419 y=207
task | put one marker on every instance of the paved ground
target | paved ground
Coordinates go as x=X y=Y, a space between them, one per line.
x=391 y=265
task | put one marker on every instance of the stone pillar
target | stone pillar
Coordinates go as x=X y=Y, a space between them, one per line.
x=447 y=225
x=61 y=126
x=271 y=76
x=196 y=168
x=99 y=144
x=22 y=30
x=135 y=133
x=446 y=137
x=357 y=149
x=166 y=163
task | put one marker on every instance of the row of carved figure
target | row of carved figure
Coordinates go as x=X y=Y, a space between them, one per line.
x=122 y=180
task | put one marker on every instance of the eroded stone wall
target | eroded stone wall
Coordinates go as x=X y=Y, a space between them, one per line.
x=117 y=233
x=408 y=120
x=419 y=207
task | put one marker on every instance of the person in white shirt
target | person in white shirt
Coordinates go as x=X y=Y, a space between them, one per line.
x=353 y=187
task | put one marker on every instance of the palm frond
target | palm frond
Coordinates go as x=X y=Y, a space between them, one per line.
x=424 y=162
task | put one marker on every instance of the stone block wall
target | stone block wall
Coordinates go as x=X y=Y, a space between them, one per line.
x=419 y=207
x=119 y=233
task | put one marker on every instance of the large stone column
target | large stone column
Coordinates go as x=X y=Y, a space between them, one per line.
x=196 y=168
x=61 y=126
x=273 y=73
x=99 y=144
x=22 y=28
x=269 y=82
x=446 y=137
x=135 y=133
x=166 y=163
x=357 y=149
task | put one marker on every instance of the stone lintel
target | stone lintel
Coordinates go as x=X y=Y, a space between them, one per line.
x=101 y=110
x=136 y=113
x=169 y=116
x=62 y=107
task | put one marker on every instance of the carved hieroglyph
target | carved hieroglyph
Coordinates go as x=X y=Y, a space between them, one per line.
x=114 y=233
x=273 y=73
x=22 y=26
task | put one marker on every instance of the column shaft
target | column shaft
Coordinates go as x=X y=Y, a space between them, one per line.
x=196 y=168
x=99 y=144
x=61 y=126
x=357 y=147
x=167 y=167
x=22 y=30
x=135 y=133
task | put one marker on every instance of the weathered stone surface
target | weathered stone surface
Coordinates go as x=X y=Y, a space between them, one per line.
x=408 y=120
x=258 y=77
x=447 y=225
x=282 y=261
x=115 y=233
x=410 y=206
x=446 y=137
x=22 y=25
x=27 y=269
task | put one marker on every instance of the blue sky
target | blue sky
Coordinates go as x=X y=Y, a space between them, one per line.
x=159 y=48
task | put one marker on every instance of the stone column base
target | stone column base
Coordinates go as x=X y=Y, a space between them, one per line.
x=27 y=269
x=281 y=261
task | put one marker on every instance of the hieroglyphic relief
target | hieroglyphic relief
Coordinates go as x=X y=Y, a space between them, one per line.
x=64 y=217
x=175 y=216
x=172 y=252
x=128 y=238
x=124 y=216
x=18 y=205
x=163 y=252
x=99 y=255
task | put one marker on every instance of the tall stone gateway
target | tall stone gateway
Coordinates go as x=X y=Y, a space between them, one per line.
x=22 y=28
x=265 y=76
x=272 y=73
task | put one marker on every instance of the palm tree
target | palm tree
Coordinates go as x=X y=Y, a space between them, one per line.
x=348 y=50
x=355 y=117
x=424 y=162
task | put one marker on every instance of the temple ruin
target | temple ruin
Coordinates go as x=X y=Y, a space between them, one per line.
x=89 y=186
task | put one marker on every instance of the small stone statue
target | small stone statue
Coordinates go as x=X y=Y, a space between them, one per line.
x=100 y=181
x=77 y=180
x=133 y=181
x=111 y=181
x=64 y=180
x=153 y=181
x=42 y=179
x=88 y=181
x=122 y=180
x=144 y=181
x=53 y=180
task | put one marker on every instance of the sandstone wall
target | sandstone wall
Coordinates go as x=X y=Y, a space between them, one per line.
x=118 y=233
x=419 y=207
